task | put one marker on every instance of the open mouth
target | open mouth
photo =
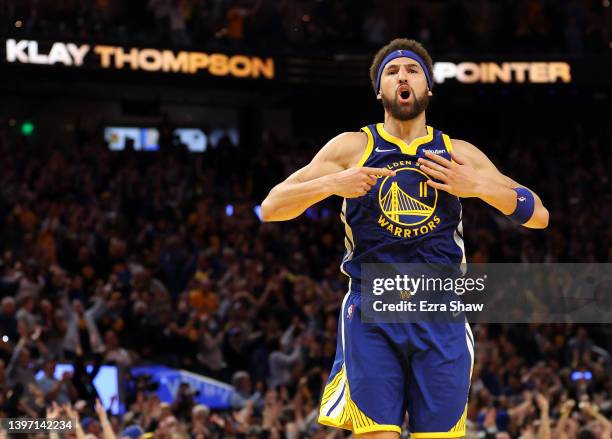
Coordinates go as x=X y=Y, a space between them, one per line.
x=404 y=93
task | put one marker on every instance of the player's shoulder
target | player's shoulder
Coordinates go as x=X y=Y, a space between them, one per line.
x=346 y=148
x=461 y=145
x=469 y=152
x=348 y=140
x=466 y=149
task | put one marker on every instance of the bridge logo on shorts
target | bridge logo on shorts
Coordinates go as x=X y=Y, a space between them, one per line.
x=407 y=203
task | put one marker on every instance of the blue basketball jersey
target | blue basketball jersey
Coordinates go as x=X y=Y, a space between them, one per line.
x=402 y=219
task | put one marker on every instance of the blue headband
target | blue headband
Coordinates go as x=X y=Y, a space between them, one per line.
x=402 y=54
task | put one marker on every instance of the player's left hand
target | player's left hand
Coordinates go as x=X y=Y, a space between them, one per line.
x=457 y=177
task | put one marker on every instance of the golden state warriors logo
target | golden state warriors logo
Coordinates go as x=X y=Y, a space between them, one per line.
x=407 y=203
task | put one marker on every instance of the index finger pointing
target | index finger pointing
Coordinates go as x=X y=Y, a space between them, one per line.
x=379 y=171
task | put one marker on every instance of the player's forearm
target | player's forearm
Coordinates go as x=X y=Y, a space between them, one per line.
x=503 y=198
x=289 y=200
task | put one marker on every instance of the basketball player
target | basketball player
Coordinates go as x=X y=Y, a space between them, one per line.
x=401 y=181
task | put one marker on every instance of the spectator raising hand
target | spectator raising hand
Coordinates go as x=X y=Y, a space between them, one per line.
x=543 y=406
x=73 y=415
x=601 y=423
x=107 y=429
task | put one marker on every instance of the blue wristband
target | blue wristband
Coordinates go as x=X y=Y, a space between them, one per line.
x=525 y=206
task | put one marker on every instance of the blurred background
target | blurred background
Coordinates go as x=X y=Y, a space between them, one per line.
x=138 y=139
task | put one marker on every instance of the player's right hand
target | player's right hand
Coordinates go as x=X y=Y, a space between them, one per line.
x=357 y=181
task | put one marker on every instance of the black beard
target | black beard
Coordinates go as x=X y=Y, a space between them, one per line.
x=406 y=112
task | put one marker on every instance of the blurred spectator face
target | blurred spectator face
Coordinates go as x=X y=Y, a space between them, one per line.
x=83 y=254
x=140 y=308
x=22 y=328
x=203 y=262
x=200 y=414
x=501 y=402
x=183 y=307
x=599 y=372
x=28 y=304
x=57 y=280
x=239 y=311
x=45 y=306
x=184 y=389
x=60 y=321
x=94 y=428
x=8 y=306
x=271 y=397
x=24 y=357
x=50 y=368
x=242 y=382
x=140 y=278
x=77 y=305
x=110 y=340
x=165 y=410
x=77 y=283
x=58 y=276
x=235 y=337
x=117 y=248
x=484 y=397
x=169 y=424
x=515 y=383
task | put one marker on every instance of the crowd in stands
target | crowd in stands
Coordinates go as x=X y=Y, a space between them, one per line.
x=128 y=258
x=298 y=26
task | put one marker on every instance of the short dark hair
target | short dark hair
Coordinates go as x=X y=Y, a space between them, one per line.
x=399 y=44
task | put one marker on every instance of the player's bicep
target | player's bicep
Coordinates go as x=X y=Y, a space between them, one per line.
x=484 y=165
x=479 y=160
x=335 y=156
x=314 y=169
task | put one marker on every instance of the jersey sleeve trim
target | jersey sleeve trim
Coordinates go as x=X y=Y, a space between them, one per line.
x=369 y=147
x=447 y=143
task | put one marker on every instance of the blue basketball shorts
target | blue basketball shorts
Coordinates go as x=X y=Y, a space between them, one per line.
x=381 y=371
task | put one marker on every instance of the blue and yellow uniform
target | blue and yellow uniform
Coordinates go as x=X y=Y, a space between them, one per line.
x=382 y=370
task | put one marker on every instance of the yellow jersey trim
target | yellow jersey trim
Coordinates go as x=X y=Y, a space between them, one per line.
x=380 y=427
x=369 y=147
x=347 y=425
x=460 y=426
x=447 y=143
x=346 y=414
x=444 y=434
x=403 y=146
x=332 y=386
x=349 y=241
x=330 y=422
